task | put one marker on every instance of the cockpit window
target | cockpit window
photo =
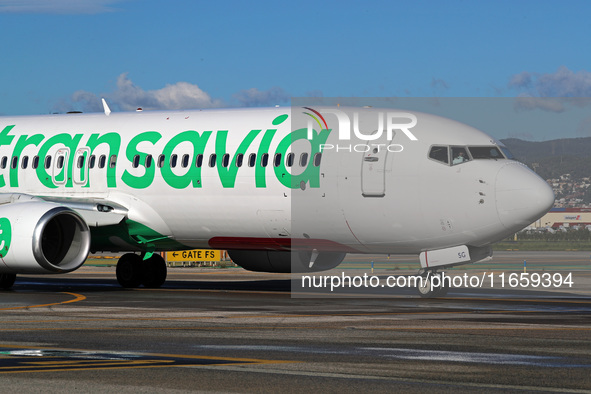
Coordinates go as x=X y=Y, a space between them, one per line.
x=485 y=152
x=459 y=155
x=439 y=153
x=507 y=153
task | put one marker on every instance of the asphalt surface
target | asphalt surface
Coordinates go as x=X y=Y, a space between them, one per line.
x=228 y=330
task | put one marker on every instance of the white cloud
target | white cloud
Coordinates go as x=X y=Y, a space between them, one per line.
x=181 y=95
x=521 y=80
x=552 y=91
x=128 y=97
x=89 y=101
x=57 y=6
x=256 y=98
x=564 y=83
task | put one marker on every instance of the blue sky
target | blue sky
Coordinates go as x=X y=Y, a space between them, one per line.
x=61 y=55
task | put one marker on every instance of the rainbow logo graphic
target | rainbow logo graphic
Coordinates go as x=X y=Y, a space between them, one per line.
x=315 y=118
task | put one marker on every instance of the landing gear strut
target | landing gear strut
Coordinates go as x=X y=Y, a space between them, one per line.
x=133 y=271
x=7 y=280
x=428 y=287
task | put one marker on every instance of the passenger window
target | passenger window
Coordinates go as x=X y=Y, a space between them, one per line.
x=225 y=160
x=92 y=161
x=185 y=161
x=102 y=161
x=459 y=155
x=252 y=159
x=47 y=162
x=212 y=160
x=439 y=153
x=80 y=162
x=173 y=160
x=5 y=161
x=136 y=161
x=113 y=161
x=25 y=162
x=160 y=162
x=277 y=160
x=148 y=162
x=239 y=160
x=60 y=162
x=289 y=159
x=304 y=160
x=35 y=162
x=317 y=159
x=199 y=160
x=14 y=162
x=264 y=159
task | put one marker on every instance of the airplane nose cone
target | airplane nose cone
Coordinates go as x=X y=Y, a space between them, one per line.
x=522 y=196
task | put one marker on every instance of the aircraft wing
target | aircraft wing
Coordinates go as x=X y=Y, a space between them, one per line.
x=96 y=212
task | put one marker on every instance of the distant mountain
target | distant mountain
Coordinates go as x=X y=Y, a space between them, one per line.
x=550 y=159
x=529 y=150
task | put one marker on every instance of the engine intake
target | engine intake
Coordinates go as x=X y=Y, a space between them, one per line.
x=40 y=237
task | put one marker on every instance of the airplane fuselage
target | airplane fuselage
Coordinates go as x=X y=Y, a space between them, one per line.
x=250 y=179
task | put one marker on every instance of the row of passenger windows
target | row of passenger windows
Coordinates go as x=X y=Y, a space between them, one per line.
x=185 y=160
x=460 y=154
x=174 y=161
x=102 y=162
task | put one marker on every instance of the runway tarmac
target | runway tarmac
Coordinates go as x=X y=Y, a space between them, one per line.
x=228 y=330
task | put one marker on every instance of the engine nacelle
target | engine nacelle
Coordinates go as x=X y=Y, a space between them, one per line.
x=40 y=237
x=284 y=262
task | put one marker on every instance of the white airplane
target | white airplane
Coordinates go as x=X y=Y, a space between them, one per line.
x=277 y=197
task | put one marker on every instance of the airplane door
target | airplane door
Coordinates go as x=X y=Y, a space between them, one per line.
x=81 y=166
x=373 y=167
x=60 y=167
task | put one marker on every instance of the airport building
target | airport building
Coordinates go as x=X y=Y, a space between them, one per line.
x=564 y=217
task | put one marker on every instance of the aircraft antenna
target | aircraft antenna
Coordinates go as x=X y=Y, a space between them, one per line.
x=106 y=107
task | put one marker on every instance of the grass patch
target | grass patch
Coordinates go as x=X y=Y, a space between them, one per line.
x=536 y=245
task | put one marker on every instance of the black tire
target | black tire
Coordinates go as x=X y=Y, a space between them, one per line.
x=424 y=286
x=7 y=280
x=425 y=290
x=129 y=270
x=154 y=272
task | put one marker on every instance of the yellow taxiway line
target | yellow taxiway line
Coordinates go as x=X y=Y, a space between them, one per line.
x=78 y=297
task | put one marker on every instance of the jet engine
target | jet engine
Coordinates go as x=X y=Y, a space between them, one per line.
x=39 y=237
x=285 y=262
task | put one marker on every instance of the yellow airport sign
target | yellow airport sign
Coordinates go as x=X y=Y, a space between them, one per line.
x=195 y=255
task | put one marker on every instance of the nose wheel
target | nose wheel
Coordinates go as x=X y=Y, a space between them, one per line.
x=132 y=271
x=430 y=285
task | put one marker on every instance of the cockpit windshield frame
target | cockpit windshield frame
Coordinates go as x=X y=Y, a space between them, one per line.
x=451 y=155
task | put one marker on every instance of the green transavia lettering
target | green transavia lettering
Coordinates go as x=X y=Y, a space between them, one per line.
x=141 y=146
x=5 y=236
